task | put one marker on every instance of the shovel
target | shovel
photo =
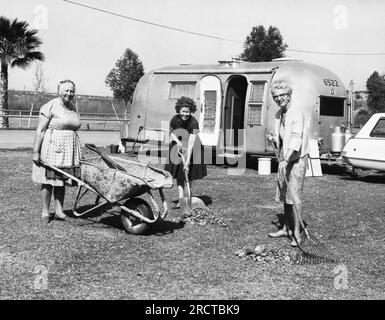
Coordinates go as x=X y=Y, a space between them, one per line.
x=188 y=203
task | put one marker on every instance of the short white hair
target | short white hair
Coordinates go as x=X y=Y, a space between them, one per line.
x=64 y=82
x=281 y=84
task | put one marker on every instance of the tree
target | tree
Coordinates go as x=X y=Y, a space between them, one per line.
x=39 y=88
x=18 y=48
x=123 y=78
x=361 y=117
x=376 y=87
x=39 y=79
x=263 y=46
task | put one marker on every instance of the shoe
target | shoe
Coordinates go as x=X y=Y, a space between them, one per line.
x=280 y=233
x=45 y=219
x=294 y=242
x=60 y=216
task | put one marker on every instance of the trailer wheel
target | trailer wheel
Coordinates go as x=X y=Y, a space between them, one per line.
x=131 y=224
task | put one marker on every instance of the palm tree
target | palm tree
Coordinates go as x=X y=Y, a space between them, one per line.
x=18 y=47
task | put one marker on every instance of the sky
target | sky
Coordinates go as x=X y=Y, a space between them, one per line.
x=83 y=44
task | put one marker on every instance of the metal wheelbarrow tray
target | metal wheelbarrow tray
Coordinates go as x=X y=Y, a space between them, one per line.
x=121 y=187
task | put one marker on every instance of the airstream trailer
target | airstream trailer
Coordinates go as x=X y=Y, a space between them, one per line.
x=235 y=107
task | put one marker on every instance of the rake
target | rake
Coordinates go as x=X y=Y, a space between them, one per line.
x=312 y=251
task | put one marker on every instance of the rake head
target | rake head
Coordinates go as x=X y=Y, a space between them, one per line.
x=312 y=251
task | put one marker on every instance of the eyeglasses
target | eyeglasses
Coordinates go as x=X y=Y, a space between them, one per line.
x=280 y=96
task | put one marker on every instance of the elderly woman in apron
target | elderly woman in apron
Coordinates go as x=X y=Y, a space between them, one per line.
x=291 y=140
x=57 y=144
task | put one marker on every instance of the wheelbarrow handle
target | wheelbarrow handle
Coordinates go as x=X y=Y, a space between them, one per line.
x=92 y=147
x=70 y=176
x=111 y=163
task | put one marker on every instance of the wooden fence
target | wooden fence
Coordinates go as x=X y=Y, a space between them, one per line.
x=23 y=119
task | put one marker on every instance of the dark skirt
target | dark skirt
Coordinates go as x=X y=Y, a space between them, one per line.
x=197 y=168
x=52 y=174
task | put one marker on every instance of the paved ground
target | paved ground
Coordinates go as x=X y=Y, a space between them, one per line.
x=14 y=139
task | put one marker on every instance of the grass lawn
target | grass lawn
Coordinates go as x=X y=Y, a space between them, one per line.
x=93 y=258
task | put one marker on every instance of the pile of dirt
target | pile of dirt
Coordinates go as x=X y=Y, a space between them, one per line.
x=202 y=216
x=268 y=255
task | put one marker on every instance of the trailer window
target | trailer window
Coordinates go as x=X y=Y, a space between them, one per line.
x=379 y=129
x=210 y=109
x=255 y=114
x=333 y=107
x=255 y=103
x=182 y=89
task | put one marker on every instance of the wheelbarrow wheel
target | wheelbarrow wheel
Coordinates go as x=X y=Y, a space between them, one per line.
x=132 y=224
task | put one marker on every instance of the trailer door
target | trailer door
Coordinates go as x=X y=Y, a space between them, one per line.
x=210 y=110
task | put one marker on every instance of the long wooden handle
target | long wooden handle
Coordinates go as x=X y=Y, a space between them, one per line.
x=186 y=178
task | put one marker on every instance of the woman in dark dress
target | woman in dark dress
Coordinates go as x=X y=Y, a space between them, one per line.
x=184 y=131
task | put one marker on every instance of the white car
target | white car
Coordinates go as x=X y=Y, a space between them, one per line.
x=366 y=150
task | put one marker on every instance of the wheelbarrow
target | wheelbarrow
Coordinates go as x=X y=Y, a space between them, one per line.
x=120 y=182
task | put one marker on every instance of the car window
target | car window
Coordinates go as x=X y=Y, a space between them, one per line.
x=379 y=129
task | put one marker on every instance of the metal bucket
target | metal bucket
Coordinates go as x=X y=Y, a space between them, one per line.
x=264 y=166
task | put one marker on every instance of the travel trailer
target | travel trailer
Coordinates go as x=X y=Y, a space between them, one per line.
x=235 y=106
